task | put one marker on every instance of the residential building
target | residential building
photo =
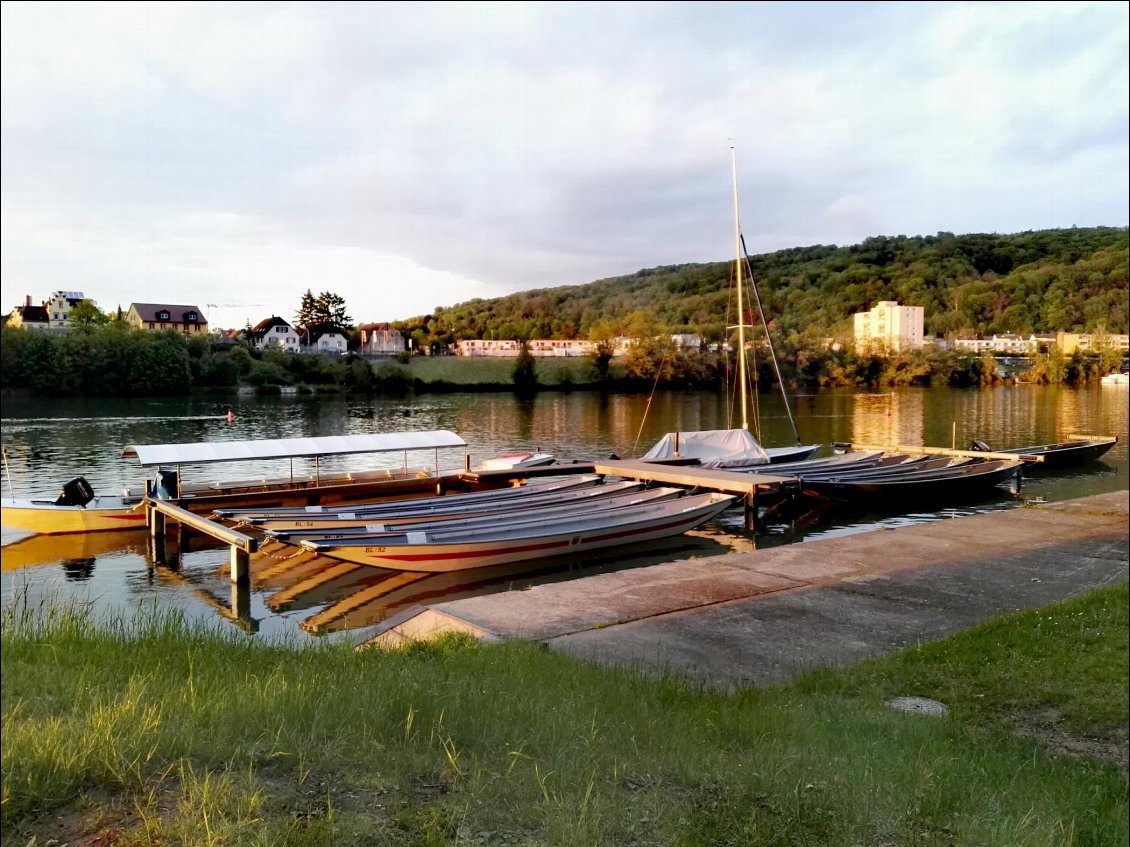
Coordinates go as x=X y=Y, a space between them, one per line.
x=380 y=339
x=59 y=307
x=28 y=316
x=274 y=333
x=1069 y=342
x=890 y=327
x=323 y=338
x=157 y=317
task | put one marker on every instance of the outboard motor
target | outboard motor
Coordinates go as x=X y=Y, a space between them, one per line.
x=166 y=486
x=980 y=446
x=77 y=492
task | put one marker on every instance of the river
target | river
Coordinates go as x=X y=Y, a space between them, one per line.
x=48 y=442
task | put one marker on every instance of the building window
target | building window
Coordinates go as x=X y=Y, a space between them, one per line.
x=163 y=316
x=151 y=324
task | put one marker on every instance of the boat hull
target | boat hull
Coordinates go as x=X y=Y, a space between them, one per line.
x=43 y=517
x=469 y=554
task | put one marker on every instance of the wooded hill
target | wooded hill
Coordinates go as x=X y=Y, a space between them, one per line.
x=978 y=284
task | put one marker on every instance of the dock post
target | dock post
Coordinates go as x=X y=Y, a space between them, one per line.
x=240 y=566
x=156 y=521
x=752 y=522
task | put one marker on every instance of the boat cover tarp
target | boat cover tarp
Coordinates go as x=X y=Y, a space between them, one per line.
x=714 y=448
x=284 y=448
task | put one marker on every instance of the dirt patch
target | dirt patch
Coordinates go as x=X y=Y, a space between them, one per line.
x=1046 y=728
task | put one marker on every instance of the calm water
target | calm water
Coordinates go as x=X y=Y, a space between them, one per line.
x=49 y=442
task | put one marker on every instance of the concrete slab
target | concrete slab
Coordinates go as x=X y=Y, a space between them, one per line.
x=760 y=617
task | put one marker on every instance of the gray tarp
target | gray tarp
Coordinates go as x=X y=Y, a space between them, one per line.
x=714 y=448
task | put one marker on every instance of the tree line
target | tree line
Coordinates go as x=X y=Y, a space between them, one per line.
x=1071 y=280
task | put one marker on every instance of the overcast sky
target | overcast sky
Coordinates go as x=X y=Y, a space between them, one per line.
x=408 y=156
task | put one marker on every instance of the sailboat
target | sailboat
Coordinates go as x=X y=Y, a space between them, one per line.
x=736 y=448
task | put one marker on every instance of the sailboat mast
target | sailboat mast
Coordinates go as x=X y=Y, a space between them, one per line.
x=738 y=271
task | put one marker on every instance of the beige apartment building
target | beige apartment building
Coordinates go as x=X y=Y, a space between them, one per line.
x=890 y=327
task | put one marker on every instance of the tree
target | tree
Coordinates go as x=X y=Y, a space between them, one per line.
x=525 y=373
x=86 y=315
x=330 y=309
x=307 y=314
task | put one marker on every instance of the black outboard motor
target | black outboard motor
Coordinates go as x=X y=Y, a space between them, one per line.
x=166 y=486
x=77 y=492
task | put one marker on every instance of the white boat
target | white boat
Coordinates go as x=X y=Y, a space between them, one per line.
x=78 y=509
x=513 y=461
x=1116 y=379
x=458 y=550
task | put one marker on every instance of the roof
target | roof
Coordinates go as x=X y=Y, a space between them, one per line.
x=148 y=311
x=32 y=314
x=269 y=323
x=284 y=448
x=320 y=330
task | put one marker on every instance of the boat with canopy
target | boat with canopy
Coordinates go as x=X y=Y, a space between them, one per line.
x=79 y=509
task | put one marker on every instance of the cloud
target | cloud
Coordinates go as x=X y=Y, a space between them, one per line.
x=409 y=156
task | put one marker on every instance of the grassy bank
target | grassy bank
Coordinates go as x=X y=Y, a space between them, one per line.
x=150 y=731
x=455 y=371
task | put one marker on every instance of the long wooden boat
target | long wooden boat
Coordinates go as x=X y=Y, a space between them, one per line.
x=441 y=551
x=375 y=509
x=606 y=496
x=1076 y=450
x=951 y=485
x=526 y=513
x=79 y=509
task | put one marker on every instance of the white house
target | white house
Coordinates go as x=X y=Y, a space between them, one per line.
x=324 y=338
x=274 y=333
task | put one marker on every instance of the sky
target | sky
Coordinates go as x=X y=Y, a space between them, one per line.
x=408 y=156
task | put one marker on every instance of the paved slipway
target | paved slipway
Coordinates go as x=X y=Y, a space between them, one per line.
x=760 y=617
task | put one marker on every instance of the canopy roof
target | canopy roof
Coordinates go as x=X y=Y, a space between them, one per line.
x=285 y=448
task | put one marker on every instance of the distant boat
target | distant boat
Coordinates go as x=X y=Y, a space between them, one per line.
x=1116 y=379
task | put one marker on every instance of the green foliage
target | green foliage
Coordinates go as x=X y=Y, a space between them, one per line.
x=1043 y=281
x=86 y=315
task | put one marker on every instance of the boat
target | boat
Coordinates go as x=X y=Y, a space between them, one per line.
x=525 y=514
x=454 y=504
x=510 y=461
x=1077 y=450
x=737 y=447
x=79 y=509
x=347 y=520
x=1116 y=378
x=460 y=550
x=958 y=482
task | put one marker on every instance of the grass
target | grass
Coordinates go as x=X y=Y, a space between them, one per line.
x=153 y=731
x=491 y=372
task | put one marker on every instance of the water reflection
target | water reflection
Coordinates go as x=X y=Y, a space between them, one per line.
x=51 y=442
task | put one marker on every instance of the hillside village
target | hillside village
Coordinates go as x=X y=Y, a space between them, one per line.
x=888 y=327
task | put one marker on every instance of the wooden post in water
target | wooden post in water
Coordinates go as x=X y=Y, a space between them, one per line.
x=240 y=566
x=752 y=523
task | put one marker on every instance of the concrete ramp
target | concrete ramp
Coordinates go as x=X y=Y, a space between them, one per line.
x=765 y=615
